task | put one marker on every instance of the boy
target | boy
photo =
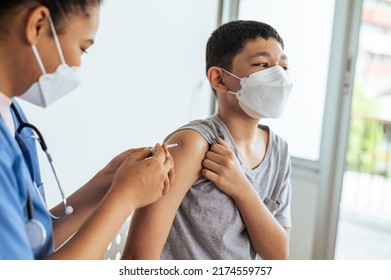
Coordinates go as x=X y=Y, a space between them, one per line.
x=230 y=198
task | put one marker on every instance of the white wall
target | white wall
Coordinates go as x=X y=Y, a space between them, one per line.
x=143 y=78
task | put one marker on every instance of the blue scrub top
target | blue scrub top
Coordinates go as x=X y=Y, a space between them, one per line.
x=16 y=175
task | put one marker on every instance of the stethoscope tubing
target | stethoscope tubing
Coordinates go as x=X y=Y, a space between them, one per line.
x=66 y=209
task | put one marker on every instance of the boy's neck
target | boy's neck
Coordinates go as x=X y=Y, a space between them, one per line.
x=250 y=141
x=243 y=130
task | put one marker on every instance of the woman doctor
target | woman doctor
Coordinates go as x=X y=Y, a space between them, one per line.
x=40 y=43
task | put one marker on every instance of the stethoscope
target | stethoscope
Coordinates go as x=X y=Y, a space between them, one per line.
x=35 y=230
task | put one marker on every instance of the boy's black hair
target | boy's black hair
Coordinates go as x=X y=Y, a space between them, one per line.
x=230 y=38
x=59 y=9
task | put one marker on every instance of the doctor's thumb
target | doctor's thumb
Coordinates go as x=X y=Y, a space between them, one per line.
x=158 y=152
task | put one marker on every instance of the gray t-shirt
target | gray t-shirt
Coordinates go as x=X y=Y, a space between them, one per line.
x=208 y=224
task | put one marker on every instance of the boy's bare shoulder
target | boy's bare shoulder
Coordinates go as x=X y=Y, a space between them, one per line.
x=189 y=139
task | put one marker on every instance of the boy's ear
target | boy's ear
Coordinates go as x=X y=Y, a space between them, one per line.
x=37 y=24
x=215 y=77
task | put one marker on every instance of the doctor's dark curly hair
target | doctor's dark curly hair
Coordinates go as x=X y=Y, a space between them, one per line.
x=59 y=9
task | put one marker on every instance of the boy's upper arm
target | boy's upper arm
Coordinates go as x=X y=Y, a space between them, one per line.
x=151 y=224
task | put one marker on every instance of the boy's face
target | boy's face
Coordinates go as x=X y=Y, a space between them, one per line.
x=257 y=55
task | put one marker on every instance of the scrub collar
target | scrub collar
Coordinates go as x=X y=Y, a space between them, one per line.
x=5 y=112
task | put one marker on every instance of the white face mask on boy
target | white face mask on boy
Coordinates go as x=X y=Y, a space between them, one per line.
x=264 y=93
x=52 y=87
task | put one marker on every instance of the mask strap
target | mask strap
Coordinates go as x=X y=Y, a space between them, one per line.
x=233 y=75
x=56 y=40
x=38 y=58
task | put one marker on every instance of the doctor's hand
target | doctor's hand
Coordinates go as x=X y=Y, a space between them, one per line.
x=222 y=167
x=104 y=177
x=144 y=176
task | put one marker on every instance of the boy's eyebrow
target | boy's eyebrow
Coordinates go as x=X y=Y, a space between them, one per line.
x=267 y=54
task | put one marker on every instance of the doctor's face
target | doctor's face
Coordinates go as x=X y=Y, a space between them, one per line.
x=77 y=35
x=28 y=25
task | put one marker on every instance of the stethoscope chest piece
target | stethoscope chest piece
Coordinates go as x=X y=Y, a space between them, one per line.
x=36 y=233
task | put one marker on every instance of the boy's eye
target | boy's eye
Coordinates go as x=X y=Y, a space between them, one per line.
x=285 y=67
x=263 y=64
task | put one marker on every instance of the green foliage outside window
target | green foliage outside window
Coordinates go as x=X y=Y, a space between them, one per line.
x=366 y=151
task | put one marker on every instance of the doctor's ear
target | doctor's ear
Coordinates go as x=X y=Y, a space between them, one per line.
x=215 y=77
x=37 y=24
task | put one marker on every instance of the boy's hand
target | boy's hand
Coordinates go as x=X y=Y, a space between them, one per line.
x=222 y=167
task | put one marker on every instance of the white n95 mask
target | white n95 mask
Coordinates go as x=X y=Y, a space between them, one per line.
x=52 y=87
x=264 y=93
